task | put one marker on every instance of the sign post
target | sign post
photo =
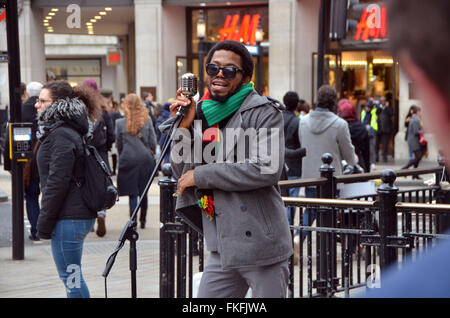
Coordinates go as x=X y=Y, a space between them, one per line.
x=15 y=109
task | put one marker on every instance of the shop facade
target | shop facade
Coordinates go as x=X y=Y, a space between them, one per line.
x=358 y=63
x=158 y=42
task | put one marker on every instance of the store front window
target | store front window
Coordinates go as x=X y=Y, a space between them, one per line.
x=75 y=71
x=229 y=23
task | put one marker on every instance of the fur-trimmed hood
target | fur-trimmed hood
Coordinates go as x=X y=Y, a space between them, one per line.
x=71 y=111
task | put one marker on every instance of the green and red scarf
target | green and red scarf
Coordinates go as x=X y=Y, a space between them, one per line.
x=215 y=112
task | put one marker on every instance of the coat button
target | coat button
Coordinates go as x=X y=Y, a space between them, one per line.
x=248 y=234
x=243 y=208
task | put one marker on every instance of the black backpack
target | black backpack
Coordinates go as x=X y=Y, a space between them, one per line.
x=99 y=137
x=97 y=189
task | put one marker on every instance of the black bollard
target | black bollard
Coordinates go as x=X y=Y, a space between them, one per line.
x=387 y=194
x=166 y=247
x=327 y=241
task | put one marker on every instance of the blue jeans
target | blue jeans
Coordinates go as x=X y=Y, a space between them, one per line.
x=67 y=248
x=31 y=194
x=309 y=193
x=293 y=192
x=133 y=201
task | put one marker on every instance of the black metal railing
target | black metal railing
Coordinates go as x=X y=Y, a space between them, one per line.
x=360 y=238
x=351 y=241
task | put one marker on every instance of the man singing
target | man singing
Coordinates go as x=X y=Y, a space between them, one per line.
x=243 y=218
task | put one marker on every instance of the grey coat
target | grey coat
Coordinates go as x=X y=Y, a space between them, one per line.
x=136 y=162
x=322 y=131
x=413 y=133
x=250 y=220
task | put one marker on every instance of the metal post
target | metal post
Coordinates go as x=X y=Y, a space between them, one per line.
x=325 y=219
x=15 y=109
x=181 y=260
x=321 y=43
x=387 y=194
x=259 y=70
x=166 y=249
x=201 y=56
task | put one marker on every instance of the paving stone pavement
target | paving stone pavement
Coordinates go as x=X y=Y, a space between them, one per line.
x=36 y=276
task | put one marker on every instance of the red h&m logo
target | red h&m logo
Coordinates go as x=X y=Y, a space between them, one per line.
x=2 y=14
x=373 y=23
x=113 y=58
x=245 y=34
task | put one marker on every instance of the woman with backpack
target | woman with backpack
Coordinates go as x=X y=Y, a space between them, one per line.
x=136 y=144
x=64 y=116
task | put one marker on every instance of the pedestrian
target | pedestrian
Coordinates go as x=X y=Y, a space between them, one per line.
x=385 y=129
x=115 y=114
x=31 y=173
x=358 y=132
x=63 y=116
x=322 y=131
x=293 y=150
x=162 y=137
x=243 y=217
x=102 y=138
x=136 y=144
x=24 y=96
x=369 y=117
x=413 y=138
x=411 y=22
x=407 y=119
x=148 y=102
x=303 y=108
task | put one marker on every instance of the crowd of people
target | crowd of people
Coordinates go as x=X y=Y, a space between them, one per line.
x=63 y=119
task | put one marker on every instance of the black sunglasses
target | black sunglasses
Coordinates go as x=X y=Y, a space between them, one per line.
x=229 y=72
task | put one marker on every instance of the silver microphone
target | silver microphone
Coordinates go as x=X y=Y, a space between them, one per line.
x=188 y=89
x=189 y=84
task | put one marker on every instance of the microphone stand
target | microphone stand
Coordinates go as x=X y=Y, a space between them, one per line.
x=129 y=232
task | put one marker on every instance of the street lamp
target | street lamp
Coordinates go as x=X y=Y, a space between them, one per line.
x=201 y=33
x=259 y=36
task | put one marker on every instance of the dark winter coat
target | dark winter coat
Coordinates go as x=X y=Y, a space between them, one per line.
x=60 y=158
x=385 y=120
x=165 y=114
x=293 y=151
x=360 y=139
x=136 y=161
x=413 y=136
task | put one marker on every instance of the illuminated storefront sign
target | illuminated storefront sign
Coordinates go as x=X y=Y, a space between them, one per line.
x=373 y=24
x=245 y=33
x=113 y=58
x=2 y=14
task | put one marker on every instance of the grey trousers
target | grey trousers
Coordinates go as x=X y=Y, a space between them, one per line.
x=265 y=281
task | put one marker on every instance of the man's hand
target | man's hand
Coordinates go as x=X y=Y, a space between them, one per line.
x=186 y=180
x=183 y=101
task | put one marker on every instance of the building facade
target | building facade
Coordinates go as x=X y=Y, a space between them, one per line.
x=146 y=45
